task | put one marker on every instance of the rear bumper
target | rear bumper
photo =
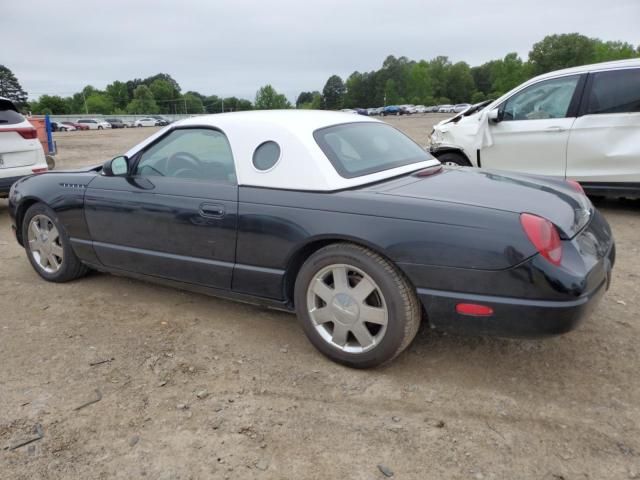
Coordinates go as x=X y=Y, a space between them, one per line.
x=511 y=317
x=516 y=317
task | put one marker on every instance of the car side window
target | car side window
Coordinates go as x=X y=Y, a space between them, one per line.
x=616 y=91
x=193 y=153
x=547 y=99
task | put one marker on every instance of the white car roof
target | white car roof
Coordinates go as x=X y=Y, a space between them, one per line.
x=594 y=67
x=302 y=164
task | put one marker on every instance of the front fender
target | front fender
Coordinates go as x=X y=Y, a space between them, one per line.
x=61 y=191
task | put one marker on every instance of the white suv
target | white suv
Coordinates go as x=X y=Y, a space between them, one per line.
x=94 y=123
x=581 y=123
x=21 y=153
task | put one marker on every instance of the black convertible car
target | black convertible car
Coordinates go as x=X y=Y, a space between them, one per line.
x=340 y=218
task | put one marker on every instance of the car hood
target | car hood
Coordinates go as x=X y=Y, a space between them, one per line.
x=553 y=199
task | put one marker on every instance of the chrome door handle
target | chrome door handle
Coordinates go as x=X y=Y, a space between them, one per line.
x=212 y=210
x=556 y=129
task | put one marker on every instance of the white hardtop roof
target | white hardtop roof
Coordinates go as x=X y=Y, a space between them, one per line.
x=302 y=164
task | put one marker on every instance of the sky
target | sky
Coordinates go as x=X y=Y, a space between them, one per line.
x=233 y=47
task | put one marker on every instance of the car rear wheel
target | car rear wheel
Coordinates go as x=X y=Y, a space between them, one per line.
x=355 y=306
x=48 y=246
x=99 y=127
x=453 y=158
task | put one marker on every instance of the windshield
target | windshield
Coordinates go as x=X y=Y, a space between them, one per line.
x=357 y=149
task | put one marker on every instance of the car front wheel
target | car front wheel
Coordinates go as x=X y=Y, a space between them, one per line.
x=48 y=246
x=355 y=306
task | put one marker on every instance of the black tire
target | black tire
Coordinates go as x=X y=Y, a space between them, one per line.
x=99 y=127
x=453 y=158
x=71 y=267
x=403 y=306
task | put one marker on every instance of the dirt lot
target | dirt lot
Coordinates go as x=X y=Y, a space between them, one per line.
x=196 y=387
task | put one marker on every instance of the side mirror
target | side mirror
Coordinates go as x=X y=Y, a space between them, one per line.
x=116 y=167
x=495 y=115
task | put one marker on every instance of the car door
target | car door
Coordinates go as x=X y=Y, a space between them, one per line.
x=174 y=215
x=533 y=128
x=604 y=144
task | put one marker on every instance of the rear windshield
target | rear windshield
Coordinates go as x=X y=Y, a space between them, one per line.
x=357 y=149
x=8 y=116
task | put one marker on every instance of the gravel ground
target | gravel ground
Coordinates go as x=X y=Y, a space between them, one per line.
x=193 y=387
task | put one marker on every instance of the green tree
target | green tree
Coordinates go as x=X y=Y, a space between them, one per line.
x=554 y=52
x=606 y=51
x=166 y=96
x=316 y=102
x=10 y=87
x=333 y=93
x=508 y=73
x=438 y=72
x=118 y=93
x=99 y=103
x=303 y=98
x=244 y=104
x=164 y=77
x=268 y=99
x=143 y=101
x=483 y=77
x=391 y=95
x=419 y=84
x=396 y=69
x=459 y=82
x=192 y=103
x=50 y=104
x=212 y=104
x=478 y=97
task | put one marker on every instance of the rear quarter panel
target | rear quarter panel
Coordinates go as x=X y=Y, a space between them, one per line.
x=275 y=224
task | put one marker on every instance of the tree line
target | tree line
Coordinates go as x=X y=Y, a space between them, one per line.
x=398 y=81
x=439 y=81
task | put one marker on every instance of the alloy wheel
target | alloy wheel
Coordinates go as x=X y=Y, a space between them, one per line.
x=45 y=244
x=347 y=308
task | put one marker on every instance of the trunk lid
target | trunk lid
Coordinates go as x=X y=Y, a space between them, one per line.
x=550 y=198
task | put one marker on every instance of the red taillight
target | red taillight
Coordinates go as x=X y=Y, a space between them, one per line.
x=544 y=236
x=576 y=186
x=28 y=133
x=39 y=170
x=426 y=172
x=474 y=309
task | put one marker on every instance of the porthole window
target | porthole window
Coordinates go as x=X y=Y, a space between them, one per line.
x=266 y=156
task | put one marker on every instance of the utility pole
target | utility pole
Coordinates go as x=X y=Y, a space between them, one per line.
x=86 y=110
x=185 y=105
x=223 y=105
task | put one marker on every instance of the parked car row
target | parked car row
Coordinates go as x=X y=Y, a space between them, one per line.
x=408 y=109
x=102 y=124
